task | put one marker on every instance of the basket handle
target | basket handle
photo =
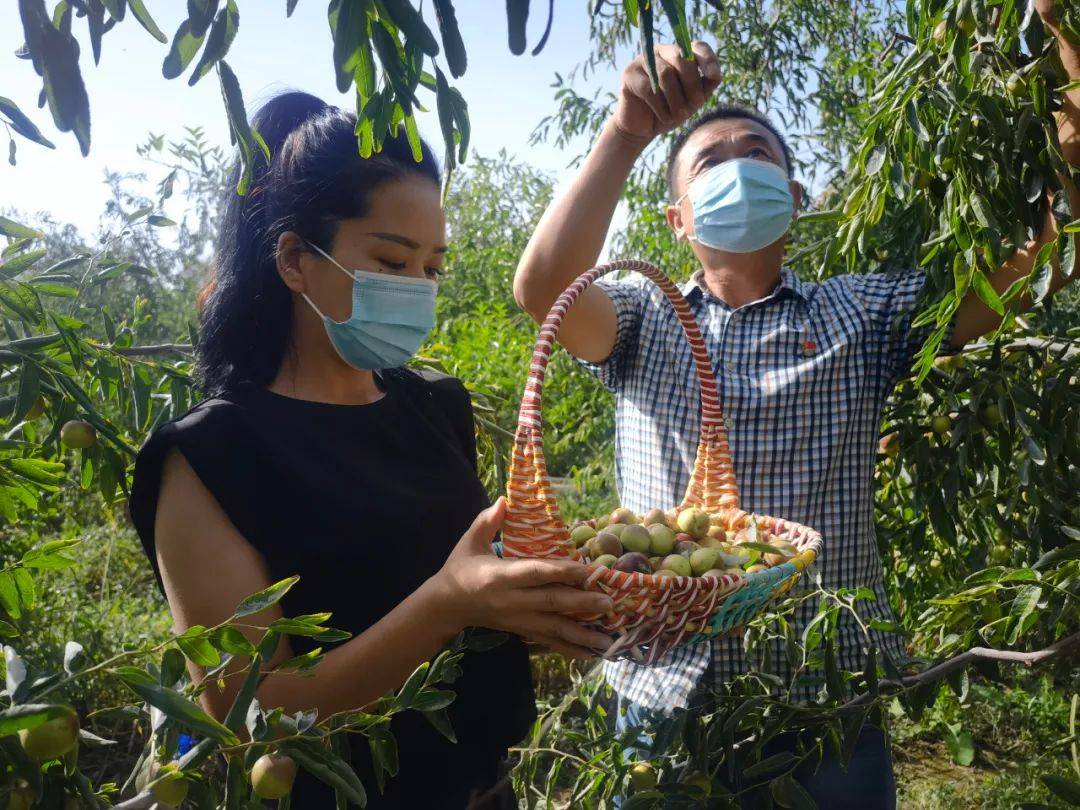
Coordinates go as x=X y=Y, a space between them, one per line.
x=534 y=526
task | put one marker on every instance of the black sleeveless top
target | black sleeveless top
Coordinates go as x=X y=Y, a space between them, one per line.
x=364 y=503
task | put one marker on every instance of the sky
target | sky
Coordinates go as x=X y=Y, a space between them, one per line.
x=507 y=95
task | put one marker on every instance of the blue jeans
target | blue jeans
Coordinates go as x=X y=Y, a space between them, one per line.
x=867 y=783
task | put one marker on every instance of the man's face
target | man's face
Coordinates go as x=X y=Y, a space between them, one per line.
x=713 y=144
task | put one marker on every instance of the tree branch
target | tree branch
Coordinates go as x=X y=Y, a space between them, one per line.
x=153 y=350
x=945 y=668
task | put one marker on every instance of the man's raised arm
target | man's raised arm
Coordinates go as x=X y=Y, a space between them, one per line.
x=571 y=234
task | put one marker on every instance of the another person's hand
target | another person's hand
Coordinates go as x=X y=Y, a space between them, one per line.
x=529 y=597
x=684 y=87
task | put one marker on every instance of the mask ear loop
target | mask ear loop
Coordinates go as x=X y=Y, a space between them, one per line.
x=333 y=261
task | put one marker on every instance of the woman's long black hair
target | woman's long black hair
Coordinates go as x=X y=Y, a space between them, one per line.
x=316 y=178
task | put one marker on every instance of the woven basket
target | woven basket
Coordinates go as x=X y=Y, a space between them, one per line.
x=652 y=614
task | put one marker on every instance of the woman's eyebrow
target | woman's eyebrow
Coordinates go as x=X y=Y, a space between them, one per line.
x=404 y=241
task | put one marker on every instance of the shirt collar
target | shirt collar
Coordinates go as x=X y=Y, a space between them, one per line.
x=790 y=283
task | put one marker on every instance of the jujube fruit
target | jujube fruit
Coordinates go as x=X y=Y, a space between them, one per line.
x=52 y=739
x=582 y=534
x=633 y=562
x=170 y=787
x=702 y=559
x=272 y=776
x=941 y=424
x=606 y=543
x=78 y=434
x=614 y=529
x=694 y=522
x=642 y=776
x=606 y=560
x=636 y=537
x=654 y=517
x=661 y=539
x=679 y=564
x=686 y=547
x=623 y=515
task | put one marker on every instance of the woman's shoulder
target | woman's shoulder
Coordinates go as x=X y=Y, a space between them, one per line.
x=434 y=383
x=209 y=420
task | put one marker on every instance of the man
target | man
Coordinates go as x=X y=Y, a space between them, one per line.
x=804 y=369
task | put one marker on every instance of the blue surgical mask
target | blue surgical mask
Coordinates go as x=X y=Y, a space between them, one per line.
x=391 y=317
x=740 y=205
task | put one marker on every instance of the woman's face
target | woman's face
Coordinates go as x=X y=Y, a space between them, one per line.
x=403 y=234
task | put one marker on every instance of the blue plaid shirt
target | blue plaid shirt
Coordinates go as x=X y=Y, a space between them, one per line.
x=804 y=374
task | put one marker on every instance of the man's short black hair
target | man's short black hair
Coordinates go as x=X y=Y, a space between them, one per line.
x=719 y=113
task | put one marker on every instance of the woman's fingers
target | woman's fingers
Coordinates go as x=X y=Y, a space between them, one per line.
x=482 y=531
x=529 y=573
x=561 y=599
x=566 y=630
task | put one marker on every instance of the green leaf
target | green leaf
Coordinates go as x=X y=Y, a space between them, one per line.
x=63 y=84
x=431 y=700
x=1024 y=610
x=786 y=792
x=265 y=598
x=238 y=124
x=517 y=15
x=329 y=768
x=29 y=390
x=183 y=711
x=961 y=746
x=675 y=11
x=453 y=45
x=769 y=765
x=159 y=221
x=185 y=45
x=133 y=675
x=21 y=124
x=441 y=721
x=29 y=715
x=349 y=28
x=9 y=595
x=194 y=643
x=146 y=21
x=1066 y=789
x=912 y=115
x=986 y=292
x=408 y=20
x=239 y=709
x=645 y=28
x=221 y=37
x=173 y=666
x=14 y=230
x=24 y=584
x=876 y=159
x=232 y=641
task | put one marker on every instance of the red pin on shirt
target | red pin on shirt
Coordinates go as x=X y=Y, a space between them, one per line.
x=809 y=347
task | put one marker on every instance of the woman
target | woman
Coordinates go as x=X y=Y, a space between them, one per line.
x=318 y=455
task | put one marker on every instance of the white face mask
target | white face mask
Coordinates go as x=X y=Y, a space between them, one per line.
x=390 y=319
x=740 y=205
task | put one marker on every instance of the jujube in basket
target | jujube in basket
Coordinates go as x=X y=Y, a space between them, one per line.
x=676 y=575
